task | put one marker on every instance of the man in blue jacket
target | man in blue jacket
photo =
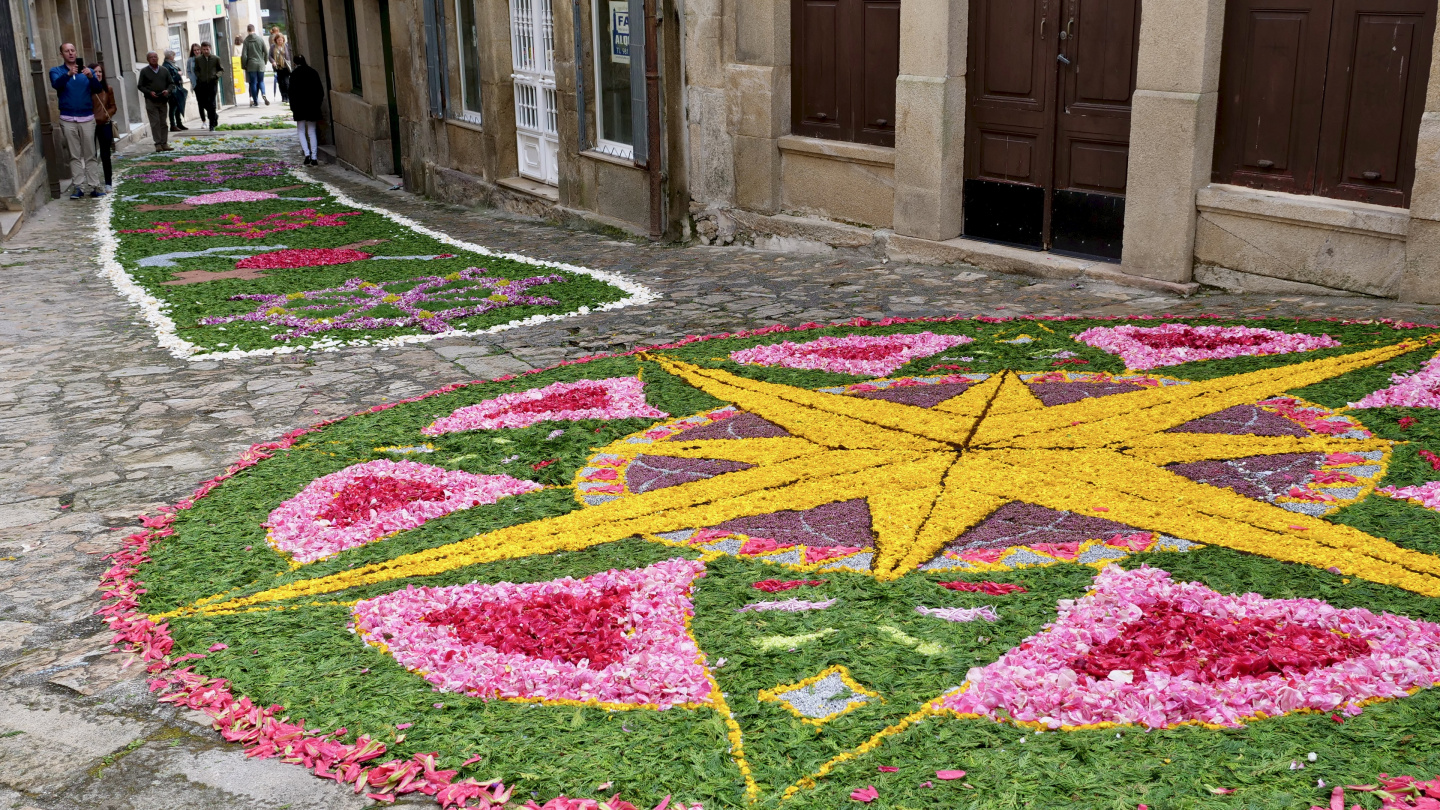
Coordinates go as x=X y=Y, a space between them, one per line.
x=76 y=85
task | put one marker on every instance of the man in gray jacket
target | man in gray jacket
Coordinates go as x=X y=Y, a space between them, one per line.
x=156 y=86
x=253 y=57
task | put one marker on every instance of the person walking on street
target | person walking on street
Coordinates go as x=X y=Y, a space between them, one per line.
x=178 y=94
x=190 y=66
x=253 y=56
x=282 y=76
x=105 y=111
x=76 y=86
x=154 y=84
x=278 y=43
x=280 y=55
x=306 y=96
x=208 y=72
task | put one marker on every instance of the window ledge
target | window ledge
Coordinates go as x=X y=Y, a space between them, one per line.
x=465 y=123
x=1366 y=219
x=595 y=154
x=839 y=150
x=534 y=188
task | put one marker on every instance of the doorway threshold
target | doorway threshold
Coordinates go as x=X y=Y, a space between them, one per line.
x=1021 y=261
x=525 y=185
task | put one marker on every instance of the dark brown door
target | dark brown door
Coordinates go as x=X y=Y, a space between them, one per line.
x=1324 y=96
x=1048 y=123
x=845 y=58
x=1272 y=83
x=1372 y=109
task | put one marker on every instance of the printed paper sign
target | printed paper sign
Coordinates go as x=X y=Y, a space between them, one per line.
x=619 y=32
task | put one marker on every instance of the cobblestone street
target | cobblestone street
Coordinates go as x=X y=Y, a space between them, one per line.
x=99 y=426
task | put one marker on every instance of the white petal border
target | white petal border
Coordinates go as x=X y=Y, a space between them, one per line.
x=153 y=309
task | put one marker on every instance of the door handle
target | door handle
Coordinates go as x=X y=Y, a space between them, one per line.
x=1060 y=57
x=1265 y=164
x=1067 y=33
x=1371 y=176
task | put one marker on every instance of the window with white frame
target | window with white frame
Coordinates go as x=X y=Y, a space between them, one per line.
x=468 y=43
x=612 y=78
x=176 y=39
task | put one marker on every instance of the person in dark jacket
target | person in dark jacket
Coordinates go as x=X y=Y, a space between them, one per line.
x=208 y=72
x=282 y=77
x=76 y=86
x=178 y=93
x=105 y=111
x=154 y=85
x=306 y=96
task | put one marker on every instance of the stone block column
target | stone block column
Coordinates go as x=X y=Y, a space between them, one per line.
x=1421 y=280
x=758 y=87
x=711 y=170
x=930 y=118
x=1172 y=134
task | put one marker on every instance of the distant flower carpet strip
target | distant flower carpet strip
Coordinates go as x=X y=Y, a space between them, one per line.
x=801 y=565
x=274 y=261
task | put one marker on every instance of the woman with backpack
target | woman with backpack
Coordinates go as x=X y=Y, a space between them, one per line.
x=177 y=98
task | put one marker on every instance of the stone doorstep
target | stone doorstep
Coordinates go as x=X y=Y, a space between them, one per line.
x=530 y=187
x=799 y=234
x=1019 y=261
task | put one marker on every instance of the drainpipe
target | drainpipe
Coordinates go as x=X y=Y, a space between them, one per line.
x=652 y=110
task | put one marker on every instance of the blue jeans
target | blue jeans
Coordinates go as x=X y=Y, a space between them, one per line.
x=256 y=81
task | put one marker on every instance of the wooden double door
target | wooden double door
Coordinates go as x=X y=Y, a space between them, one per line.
x=1047 y=129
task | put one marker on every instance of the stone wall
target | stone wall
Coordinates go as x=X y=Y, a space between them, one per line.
x=753 y=182
x=472 y=159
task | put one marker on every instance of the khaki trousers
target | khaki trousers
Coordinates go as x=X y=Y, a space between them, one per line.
x=84 y=167
x=159 y=114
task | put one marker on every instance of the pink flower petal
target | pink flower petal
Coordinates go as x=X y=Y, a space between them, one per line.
x=613 y=398
x=1045 y=680
x=868 y=355
x=866 y=794
x=1169 y=344
x=643 y=656
x=322 y=521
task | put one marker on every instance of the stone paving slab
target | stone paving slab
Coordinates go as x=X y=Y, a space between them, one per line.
x=98 y=426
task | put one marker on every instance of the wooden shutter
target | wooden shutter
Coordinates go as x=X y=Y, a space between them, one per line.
x=639 y=116
x=819 y=88
x=436 y=59
x=873 y=88
x=14 y=81
x=1272 y=87
x=845 y=57
x=1375 y=95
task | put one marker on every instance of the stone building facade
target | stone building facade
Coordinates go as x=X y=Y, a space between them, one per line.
x=34 y=165
x=492 y=101
x=1157 y=142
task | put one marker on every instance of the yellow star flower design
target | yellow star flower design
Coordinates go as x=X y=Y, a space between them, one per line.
x=930 y=474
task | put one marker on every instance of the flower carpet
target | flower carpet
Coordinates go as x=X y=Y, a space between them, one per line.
x=941 y=563
x=235 y=253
